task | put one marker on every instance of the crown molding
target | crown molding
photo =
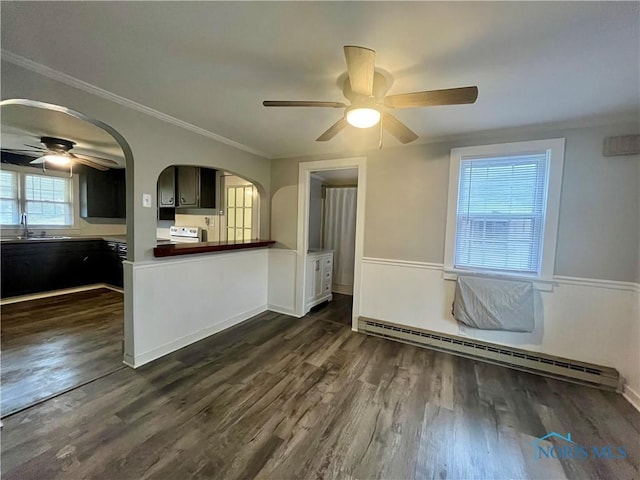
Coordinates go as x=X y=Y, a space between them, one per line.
x=49 y=72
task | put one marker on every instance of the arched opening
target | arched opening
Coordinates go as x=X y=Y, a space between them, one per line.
x=65 y=232
x=217 y=204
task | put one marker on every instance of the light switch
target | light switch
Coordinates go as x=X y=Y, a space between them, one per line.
x=146 y=200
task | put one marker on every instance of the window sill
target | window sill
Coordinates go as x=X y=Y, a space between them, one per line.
x=541 y=284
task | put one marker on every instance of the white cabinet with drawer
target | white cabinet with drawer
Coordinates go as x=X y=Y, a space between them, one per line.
x=319 y=278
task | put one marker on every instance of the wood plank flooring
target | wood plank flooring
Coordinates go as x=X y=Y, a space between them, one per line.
x=280 y=398
x=50 y=345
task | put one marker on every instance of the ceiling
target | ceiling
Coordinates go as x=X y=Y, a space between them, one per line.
x=212 y=63
x=23 y=126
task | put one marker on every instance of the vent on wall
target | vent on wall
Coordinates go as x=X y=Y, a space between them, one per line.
x=548 y=365
x=622 y=145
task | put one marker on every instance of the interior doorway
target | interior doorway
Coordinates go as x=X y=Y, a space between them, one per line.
x=332 y=222
x=330 y=233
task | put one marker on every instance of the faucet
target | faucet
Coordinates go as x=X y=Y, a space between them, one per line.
x=25 y=228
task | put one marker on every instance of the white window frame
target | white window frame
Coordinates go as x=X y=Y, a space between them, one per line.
x=21 y=173
x=554 y=148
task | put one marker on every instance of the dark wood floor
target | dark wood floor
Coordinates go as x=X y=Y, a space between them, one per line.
x=53 y=344
x=280 y=398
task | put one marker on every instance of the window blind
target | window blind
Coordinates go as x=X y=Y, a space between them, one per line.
x=500 y=213
x=9 y=214
x=47 y=200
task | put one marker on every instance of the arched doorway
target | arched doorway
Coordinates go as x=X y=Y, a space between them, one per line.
x=62 y=347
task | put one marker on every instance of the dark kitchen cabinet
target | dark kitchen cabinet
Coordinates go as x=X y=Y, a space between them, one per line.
x=103 y=193
x=188 y=186
x=116 y=254
x=167 y=188
x=185 y=188
x=39 y=266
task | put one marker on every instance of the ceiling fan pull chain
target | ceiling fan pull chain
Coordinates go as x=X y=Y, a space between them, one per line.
x=380 y=140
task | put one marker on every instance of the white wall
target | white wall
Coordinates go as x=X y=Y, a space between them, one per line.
x=282 y=281
x=181 y=300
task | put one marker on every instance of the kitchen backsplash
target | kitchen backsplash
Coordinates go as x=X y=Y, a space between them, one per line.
x=209 y=223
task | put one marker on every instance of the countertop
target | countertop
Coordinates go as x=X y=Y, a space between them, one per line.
x=66 y=238
x=174 y=249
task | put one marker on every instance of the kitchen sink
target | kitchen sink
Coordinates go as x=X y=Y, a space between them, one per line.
x=55 y=237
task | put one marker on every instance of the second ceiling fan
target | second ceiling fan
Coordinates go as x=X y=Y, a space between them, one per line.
x=365 y=89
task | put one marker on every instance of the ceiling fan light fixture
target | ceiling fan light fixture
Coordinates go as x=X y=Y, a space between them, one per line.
x=362 y=117
x=59 y=159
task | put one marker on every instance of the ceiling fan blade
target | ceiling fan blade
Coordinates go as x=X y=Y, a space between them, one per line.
x=89 y=163
x=92 y=158
x=333 y=130
x=361 y=68
x=398 y=129
x=449 y=96
x=18 y=151
x=295 y=103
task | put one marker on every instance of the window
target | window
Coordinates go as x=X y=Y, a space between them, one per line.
x=240 y=212
x=45 y=198
x=503 y=208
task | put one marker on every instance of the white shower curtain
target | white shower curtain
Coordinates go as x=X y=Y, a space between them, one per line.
x=339 y=231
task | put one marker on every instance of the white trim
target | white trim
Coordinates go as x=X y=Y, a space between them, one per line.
x=556 y=279
x=597 y=283
x=283 y=310
x=192 y=258
x=542 y=284
x=55 y=293
x=403 y=263
x=186 y=340
x=107 y=95
x=555 y=149
x=304 y=180
x=632 y=397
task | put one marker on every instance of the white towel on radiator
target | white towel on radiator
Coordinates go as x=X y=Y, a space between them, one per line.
x=493 y=304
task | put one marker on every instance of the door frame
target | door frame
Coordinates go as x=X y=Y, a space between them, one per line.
x=304 y=183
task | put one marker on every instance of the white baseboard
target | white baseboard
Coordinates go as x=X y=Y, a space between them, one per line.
x=55 y=293
x=128 y=360
x=181 y=342
x=283 y=310
x=632 y=397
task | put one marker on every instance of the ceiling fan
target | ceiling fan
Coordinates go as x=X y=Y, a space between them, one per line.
x=57 y=151
x=365 y=89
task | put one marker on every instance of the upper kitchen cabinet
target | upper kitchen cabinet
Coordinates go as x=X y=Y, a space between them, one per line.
x=167 y=188
x=186 y=188
x=195 y=187
x=103 y=193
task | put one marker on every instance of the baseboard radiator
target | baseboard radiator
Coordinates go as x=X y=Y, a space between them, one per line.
x=605 y=378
